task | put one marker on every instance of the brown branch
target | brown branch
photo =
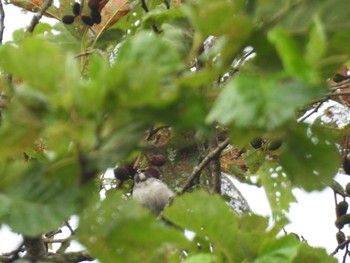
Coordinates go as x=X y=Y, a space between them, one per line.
x=35 y=247
x=197 y=170
x=214 y=168
x=2 y=23
x=341 y=246
x=12 y=255
x=36 y=18
x=70 y=257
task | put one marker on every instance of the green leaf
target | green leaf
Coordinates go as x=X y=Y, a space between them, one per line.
x=41 y=197
x=203 y=258
x=278 y=189
x=317 y=46
x=255 y=102
x=117 y=229
x=291 y=56
x=146 y=69
x=282 y=250
x=306 y=154
x=199 y=212
x=313 y=255
x=35 y=61
x=215 y=17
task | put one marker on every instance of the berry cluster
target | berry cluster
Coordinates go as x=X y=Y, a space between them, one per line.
x=343 y=218
x=93 y=18
x=128 y=171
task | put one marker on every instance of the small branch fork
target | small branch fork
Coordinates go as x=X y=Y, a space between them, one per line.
x=36 y=18
x=36 y=249
x=198 y=169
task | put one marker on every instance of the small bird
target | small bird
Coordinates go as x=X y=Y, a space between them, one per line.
x=151 y=192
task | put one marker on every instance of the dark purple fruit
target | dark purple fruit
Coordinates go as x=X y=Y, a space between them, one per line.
x=340 y=238
x=222 y=135
x=76 y=9
x=342 y=220
x=339 y=78
x=68 y=19
x=87 y=20
x=131 y=169
x=347 y=188
x=151 y=172
x=342 y=208
x=157 y=159
x=94 y=4
x=257 y=143
x=346 y=165
x=274 y=145
x=121 y=173
x=96 y=16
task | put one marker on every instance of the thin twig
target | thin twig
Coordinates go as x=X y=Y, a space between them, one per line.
x=314 y=110
x=85 y=53
x=2 y=23
x=36 y=18
x=197 y=170
x=72 y=232
x=144 y=7
x=153 y=131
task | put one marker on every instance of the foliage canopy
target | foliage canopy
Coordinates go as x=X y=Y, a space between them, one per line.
x=170 y=78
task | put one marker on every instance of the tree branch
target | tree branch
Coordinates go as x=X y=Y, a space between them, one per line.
x=36 y=18
x=215 y=169
x=35 y=247
x=2 y=24
x=197 y=170
x=70 y=257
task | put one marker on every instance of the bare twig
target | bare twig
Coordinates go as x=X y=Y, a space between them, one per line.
x=153 y=131
x=69 y=227
x=197 y=170
x=36 y=18
x=144 y=7
x=320 y=103
x=14 y=254
x=2 y=24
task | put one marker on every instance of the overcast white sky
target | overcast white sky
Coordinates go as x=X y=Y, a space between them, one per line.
x=312 y=217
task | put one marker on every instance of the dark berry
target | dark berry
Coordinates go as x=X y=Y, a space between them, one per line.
x=93 y=4
x=257 y=143
x=121 y=173
x=96 y=16
x=157 y=159
x=76 y=9
x=221 y=135
x=347 y=188
x=346 y=165
x=340 y=238
x=274 y=145
x=341 y=208
x=87 y=20
x=151 y=172
x=68 y=19
x=339 y=78
x=131 y=169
